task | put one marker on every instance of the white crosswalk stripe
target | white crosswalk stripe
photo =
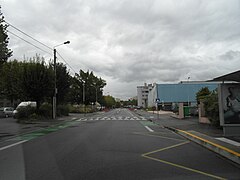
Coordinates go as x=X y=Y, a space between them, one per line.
x=113 y=118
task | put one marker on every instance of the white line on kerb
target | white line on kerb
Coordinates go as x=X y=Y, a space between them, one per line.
x=229 y=141
x=148 y=128
x=11 y=145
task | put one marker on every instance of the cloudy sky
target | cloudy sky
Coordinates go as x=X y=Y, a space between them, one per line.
x=129 y=42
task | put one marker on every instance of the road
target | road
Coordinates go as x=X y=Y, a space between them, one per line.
x=118 y=144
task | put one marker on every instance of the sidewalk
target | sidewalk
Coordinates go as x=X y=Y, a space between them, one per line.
x=203 y=134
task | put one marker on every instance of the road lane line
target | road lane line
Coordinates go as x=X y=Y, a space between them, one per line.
x=11 y=145
x=162 y=149
x=149 y=129
x=163 y=137
x=146 y=155
x=184 y=167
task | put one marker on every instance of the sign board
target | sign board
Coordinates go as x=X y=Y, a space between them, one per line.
x=157 y=101
x=229 y=103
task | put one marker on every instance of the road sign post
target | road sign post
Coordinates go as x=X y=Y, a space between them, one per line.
x=157 y=103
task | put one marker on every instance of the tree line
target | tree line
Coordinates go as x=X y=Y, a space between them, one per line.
x=33 y=80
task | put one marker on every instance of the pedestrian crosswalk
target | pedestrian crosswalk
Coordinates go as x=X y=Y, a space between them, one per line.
x=113 y=118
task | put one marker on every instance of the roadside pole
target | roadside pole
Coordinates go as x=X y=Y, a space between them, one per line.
x=157 y=103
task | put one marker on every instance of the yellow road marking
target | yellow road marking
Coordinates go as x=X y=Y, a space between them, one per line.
x=183 y=167
x=158 y=136
x=209 y=142
x=162 y=149
x=146 y=155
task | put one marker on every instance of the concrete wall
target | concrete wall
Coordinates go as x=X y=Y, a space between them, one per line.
x=142 y=94
x=152 y=96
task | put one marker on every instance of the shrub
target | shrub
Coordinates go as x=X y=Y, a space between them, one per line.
x=211 y=107
x=45 y=110
x=25 y=112
x=62 y=110
x=79 y=109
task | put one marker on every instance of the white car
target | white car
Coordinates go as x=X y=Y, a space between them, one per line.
x=6 y=111
x=24 y=104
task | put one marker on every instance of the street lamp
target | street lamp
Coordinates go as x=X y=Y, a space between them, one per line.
x=188 y=91
x=55 y=78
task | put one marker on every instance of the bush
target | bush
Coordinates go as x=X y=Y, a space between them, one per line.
x=62 y=110
x=211 y=107
x=80 y=109
x=45 y=110
x=25 y=112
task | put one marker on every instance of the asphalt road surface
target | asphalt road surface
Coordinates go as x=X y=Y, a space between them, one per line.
x=118 y=144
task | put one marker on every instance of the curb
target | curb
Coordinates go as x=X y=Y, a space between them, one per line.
x=209 y=144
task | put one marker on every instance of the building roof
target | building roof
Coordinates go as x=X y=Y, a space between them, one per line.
x=234 y=76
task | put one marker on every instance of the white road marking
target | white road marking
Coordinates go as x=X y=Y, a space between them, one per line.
x=229 y=141
x=149 y=129
x=113 y=118
x=11 y=145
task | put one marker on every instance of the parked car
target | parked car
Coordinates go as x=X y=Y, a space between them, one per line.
x=24 y=104
x=6 y=111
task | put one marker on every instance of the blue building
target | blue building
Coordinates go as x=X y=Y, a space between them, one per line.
x=168 y=94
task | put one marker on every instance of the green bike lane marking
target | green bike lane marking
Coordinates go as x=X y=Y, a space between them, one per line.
x=148 y=123
x=45 y=131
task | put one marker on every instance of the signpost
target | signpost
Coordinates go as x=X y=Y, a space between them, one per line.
x=157 y=103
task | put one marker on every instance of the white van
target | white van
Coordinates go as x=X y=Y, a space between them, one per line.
x=24 y=104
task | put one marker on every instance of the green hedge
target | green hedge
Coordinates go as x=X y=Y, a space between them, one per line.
x=80 y=109
x=62 y=110
x=25 y=112
x=45 y=110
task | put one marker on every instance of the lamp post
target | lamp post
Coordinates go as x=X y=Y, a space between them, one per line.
x=84 y=109
x=55 y=79
x=188 y=91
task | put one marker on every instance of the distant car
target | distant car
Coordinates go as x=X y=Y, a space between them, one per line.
x=6 y=111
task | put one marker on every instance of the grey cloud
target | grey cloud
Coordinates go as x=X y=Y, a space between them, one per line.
x=131 y=42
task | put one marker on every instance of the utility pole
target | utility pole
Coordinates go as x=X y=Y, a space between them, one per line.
x=55 y=79
x=84 y=109
x=96 y=95
x=55 y=85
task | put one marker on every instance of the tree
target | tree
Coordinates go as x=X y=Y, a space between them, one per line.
x=75 y=95
x=211 y=107
x=109 y=101
x=11 y=79
x=5 y=53
x=37 y=81
x=63 y=81
x=202 y=93
x=210 y=101
x=88 y=83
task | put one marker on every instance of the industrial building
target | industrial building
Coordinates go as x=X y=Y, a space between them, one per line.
x=166 y=95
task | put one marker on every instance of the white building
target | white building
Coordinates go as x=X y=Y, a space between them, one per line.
x=142 y=94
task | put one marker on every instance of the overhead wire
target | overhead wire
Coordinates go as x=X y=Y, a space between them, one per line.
x=27 y=35
x=66 y=62
x=28 y=42
x=36 y=41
